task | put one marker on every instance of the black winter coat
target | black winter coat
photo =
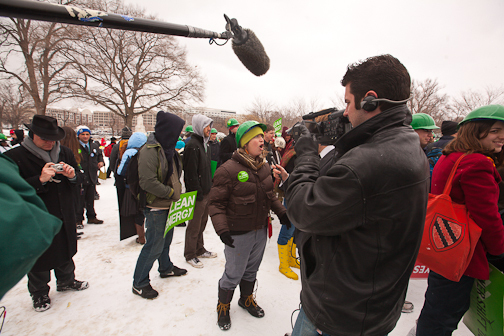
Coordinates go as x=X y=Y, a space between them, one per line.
x=197 y=170
x=89 y=162
x=59 y=200
x=227 y=147
x=361 y=224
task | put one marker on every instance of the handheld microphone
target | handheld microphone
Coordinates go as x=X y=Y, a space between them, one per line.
x=246 y=45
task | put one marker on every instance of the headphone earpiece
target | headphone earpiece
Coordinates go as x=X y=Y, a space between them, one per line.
x=369 y=103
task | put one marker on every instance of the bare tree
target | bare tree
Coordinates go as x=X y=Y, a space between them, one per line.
x=261 y=110
x=16 y=106
x=471 y=99
x=427 y=98
x=30 y=52
x=130 y=73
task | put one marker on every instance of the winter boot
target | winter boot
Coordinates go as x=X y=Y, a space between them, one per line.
x=247 y=299
x=283 y=253
x=223 y=305
x=293 y=261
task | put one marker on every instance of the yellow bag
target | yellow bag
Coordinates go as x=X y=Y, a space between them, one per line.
x=102 y=175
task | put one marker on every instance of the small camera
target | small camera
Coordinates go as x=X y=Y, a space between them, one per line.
x=58 y=167
x=328 y=131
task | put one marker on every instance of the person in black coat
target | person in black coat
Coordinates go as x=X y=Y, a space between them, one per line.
x=55 y=186
x=228 y=144
x=92 y=161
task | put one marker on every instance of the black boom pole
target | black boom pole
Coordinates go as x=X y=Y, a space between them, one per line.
x=43 y=11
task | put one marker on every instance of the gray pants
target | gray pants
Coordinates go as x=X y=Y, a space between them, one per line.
x=243 y=261
x=194 y=244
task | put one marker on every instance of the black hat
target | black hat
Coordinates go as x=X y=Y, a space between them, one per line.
x=449 y=127
x=46 y=127
x=126 y=132
x=113 y=139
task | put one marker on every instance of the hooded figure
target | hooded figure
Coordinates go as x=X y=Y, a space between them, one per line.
x=198 y=177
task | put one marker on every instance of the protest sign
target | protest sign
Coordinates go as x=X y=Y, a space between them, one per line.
x=181 y=210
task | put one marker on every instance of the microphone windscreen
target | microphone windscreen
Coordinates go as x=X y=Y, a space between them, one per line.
x=252 y=54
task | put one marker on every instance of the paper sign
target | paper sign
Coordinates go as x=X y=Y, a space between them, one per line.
x=278 y=125
x=181 y=210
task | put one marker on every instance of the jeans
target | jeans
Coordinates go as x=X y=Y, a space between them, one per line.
x=445 y=303
x=156 y=248
x=304 y=327
x=285 y=234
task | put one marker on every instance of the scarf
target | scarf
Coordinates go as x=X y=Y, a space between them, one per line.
x=254 y=163
x=46 y=156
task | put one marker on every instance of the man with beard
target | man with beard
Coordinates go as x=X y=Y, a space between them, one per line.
x=36 y=159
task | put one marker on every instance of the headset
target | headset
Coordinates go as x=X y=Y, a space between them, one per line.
x=370 y=103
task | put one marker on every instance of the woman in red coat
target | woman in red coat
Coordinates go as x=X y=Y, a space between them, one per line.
x=475 y=184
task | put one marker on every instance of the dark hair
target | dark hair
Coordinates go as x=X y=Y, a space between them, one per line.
x=70 y=141
x=468 y=140
x=269 y=128
x=383 y=74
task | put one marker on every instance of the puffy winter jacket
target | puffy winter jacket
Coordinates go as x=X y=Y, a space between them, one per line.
x=242 y=205
x=362 y=224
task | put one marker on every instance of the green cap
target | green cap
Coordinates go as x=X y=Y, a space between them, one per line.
x=423 y=121
x=495 y=112
x=245 y=127
x=213 y=131
x=189 y=129
x=232 y=122
x=278 y=134
x=2 y=136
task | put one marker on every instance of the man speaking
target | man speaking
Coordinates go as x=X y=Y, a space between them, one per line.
x=361 y=223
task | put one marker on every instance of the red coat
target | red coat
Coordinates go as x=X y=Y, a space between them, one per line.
x=475 y=184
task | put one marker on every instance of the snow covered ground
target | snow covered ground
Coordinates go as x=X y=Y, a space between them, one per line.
x=185 y=306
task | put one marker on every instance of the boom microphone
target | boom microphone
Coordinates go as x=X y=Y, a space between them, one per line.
x=246 y=45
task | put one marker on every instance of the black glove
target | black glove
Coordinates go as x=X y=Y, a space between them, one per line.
x=227 y=239
x=284 y=220
x=299 y=130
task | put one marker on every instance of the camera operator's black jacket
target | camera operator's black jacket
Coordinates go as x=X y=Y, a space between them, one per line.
x=361 y=224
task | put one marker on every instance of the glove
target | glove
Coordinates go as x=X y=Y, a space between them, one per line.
x=284 y=220
x=300 y=131
x=226 y=238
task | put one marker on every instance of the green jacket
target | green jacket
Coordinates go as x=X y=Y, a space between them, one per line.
x=152 y=171
x=27 y=229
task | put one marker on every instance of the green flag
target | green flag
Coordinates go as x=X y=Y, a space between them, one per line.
x=278 y=125
x=181 y=210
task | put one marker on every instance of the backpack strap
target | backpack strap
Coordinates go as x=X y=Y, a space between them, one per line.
x=448 y=185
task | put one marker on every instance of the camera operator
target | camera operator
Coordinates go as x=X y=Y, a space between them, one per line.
x=361 y=223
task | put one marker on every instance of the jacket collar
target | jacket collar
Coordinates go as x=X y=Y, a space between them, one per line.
x=393 y=117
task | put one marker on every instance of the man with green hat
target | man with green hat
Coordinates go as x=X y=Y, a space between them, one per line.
x=423 y=124
x=214 y=151
x=228 y=144
x=188 y=133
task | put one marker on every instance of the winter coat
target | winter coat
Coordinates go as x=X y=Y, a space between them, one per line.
x=227 y=147
x=214 y=150
x=27 y=229
x=89 y=162
x=59 y=199
x=475 y=184
x=152 y=170
x=114 y=154
x=240 y=207
x=361 y=224
x=136 y=141
x=197 y=170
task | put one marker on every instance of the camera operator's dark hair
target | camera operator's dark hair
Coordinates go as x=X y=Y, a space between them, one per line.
x=383 y=74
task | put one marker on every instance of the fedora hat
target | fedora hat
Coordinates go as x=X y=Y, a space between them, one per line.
x=46 y=127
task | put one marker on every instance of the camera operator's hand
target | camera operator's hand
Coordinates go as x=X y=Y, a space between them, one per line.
x=280 y=172
x=47 y=172
x=226 y=238
x=68 y=171
x=284 y=220
x=300 y=131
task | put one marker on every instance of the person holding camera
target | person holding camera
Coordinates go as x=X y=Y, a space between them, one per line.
x=361 y=223
x=50 y=169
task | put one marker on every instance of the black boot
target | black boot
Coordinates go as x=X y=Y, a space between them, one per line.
x=247 y=299
x=223 y=305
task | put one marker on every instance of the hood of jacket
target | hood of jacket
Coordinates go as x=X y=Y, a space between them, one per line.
x=199 y=122
x=137 y=140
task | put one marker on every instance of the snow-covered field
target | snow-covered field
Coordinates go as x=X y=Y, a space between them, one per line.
x=185 y=306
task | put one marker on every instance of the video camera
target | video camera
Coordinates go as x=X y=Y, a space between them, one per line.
x=328 y=131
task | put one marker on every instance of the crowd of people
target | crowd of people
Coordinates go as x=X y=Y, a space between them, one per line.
x=352 y=213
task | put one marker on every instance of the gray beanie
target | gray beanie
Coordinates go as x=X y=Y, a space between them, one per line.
x=126 y=132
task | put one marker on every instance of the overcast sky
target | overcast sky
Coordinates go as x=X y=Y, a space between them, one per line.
x=310 y=43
